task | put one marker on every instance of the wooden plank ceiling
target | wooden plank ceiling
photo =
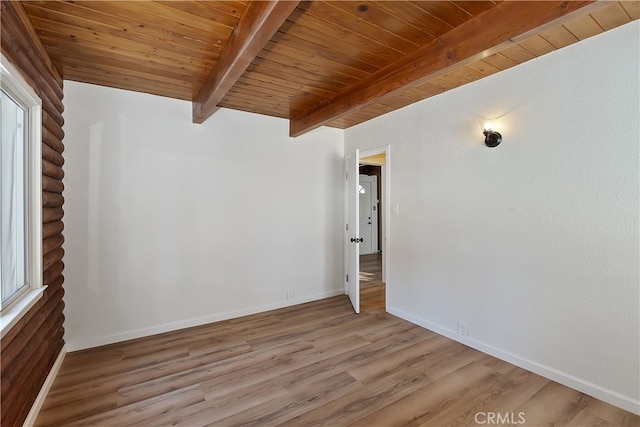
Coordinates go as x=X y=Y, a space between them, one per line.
x=335 y=63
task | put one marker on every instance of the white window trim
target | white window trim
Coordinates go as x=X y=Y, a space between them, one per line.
x=16 y=85
x=9 y=317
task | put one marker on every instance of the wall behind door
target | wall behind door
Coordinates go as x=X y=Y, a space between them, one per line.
x=171 y=224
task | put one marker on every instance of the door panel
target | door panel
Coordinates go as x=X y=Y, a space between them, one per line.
x=353 y=237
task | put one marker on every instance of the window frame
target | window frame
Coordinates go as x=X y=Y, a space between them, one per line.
x=14 y=84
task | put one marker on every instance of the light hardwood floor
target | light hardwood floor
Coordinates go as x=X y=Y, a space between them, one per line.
x=312 y=364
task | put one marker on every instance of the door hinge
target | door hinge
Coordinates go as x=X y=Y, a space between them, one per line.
x=346 y=176
x=347 y=277
x=347 y=227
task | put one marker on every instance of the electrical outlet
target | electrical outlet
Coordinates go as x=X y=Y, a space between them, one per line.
x=290 y=294
x=463 y=329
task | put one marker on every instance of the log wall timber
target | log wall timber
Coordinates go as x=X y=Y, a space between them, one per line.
x=30 y=348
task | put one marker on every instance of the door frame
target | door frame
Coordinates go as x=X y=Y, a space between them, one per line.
x=384 y=214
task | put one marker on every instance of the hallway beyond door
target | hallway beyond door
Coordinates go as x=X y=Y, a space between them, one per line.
x=372 y=288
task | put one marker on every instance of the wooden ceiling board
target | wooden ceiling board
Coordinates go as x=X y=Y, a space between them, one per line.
x=483 y=67
x=328 y=43
x=323 y=50
x=52 y=33
x=632 y=7
x=165 y=15
x=537 y=45
x=262 y=101
x=318 y=52
x=313 y=62
x=126 y=82
x=475 y=7
x=417 y=17
x=277 y=70
x=499 y=61
x=424 y=91
x=380 y=17
x=321 y=28
x=161 y=22
x=293 y=102
x=559 y=36
x=468 y=74
x=273 y=70
x=611 y=17
x=292 y=93
x=182 y=85
x=163 y=48
x=298 y=88
x=136 y=31
x=356 y=22
x=445 y=11
x=250 y=91
x=224 y=13
x=151 y=68
x=583 y=27
x=255 y=105
x=299 y=65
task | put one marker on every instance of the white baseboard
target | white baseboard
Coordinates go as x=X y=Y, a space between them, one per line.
x=37 y=405
x=187 y=323
x=614 y=398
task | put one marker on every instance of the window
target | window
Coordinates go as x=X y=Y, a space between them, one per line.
x=20 y=197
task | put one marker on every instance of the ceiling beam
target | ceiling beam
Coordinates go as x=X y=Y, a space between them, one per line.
x=490 y=32
x=257 y=25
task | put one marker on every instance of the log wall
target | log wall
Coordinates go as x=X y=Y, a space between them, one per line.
x=29 y=349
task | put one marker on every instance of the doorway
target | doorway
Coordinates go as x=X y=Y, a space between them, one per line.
x=372 y=287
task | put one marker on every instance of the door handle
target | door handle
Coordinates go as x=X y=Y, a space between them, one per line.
x=355 y=240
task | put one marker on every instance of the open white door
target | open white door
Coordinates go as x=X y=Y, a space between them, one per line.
x=353 y=231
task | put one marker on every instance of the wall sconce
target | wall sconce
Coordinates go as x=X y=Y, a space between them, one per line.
x=492 y=138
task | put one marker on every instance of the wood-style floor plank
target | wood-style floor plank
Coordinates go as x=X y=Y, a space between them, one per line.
x=312 y=364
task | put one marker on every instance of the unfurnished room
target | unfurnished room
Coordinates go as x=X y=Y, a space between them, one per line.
x=304 y=213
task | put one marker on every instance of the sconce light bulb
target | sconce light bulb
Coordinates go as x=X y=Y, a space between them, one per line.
x=488 y=126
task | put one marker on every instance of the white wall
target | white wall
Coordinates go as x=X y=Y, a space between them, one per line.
x=533 y=243
x=171 y=224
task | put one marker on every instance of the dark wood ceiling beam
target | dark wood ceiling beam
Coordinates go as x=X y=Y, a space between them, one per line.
x=256 y=27
x=488 y=33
